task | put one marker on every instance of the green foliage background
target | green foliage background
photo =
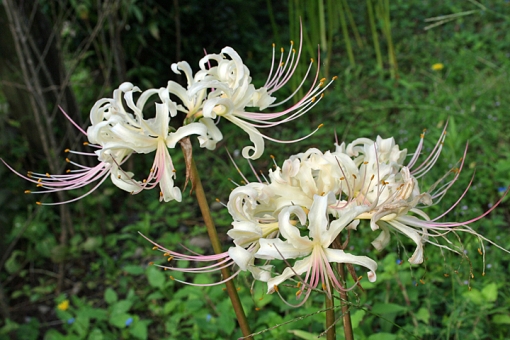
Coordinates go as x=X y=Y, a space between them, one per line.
x=107 y=278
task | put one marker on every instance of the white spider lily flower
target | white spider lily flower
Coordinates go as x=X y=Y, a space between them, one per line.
x=232 y=93
x=314 y=249
x=81 y=175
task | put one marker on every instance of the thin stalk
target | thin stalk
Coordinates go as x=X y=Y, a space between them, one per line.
x=215 y=242
x=347 y=9
x=332 y=27
x=330 y=317
x=389 y=38
x=347 y=40
x=273 y=23
x=377 y=48
x=349 y=335
x=344 y=299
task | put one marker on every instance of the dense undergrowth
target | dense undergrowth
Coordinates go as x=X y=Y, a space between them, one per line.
x=113 y=293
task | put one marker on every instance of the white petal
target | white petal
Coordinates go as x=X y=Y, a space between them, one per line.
x=241 y=257
x=299 y=268
x=339 y=256
x=184 y=131
x=245 y=232
x=384 y=237
x=275 y=248
x=261 y=273
x=417 y=256
x=289 y=231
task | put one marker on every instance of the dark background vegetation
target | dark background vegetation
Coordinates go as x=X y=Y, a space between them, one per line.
x=71 y=53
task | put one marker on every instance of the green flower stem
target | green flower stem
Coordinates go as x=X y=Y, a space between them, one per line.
x=215 y=242
x=330 y=317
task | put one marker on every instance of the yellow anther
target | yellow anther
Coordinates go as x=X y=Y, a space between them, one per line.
x=165 y=268
x=238 y=289
x=68 y=171
x=320 y=126
x=272 y=156
x=173 y=170
x=469 y=288
x=342 y=178
x=422 y=135
x=422 y=281
x=322 y=95
x=353 y=175
x=39 y=185
x=372 y=177
x=154 y=248
x=48 y=175
x=275 y=287
x=166 y=254
x=359 y=278
x=27 y=191
x=144 y=180
x=480 y=251
x=85 y=143
x=171 y=278
x=217 y=200
x=365 y=162
x=29 y=174
x=170 y=258
x=38 y=203
x=292 y=42
x=324 y=286
x=119 y=176
x=257 y=309
x=446 y=275
x=298 y=293
x=298 y=284
x=68 y=160
x=456 y=272
x=313 y=99
x=322 y=80
x=281 y=49
x=161 y=194
x=294 y=50
x=274 y=45
x=424 y=130
x=151 y=263
x=224 y=289
x=472 y=276
x=281 y=64
x=335 y=78
x=152 y=170
x=483 y=274
x=66 y=150
x=311 y=60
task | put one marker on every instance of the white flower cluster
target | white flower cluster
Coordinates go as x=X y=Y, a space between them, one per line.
x=306 y=204
x=223 y=87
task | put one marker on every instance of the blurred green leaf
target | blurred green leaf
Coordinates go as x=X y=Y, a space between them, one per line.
x=13 y=263
x=139 y=329
x=501 y=319
x=110 y=296
x=156 y=277
x=490 y=292
x=121 y=307
x=119 y=320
